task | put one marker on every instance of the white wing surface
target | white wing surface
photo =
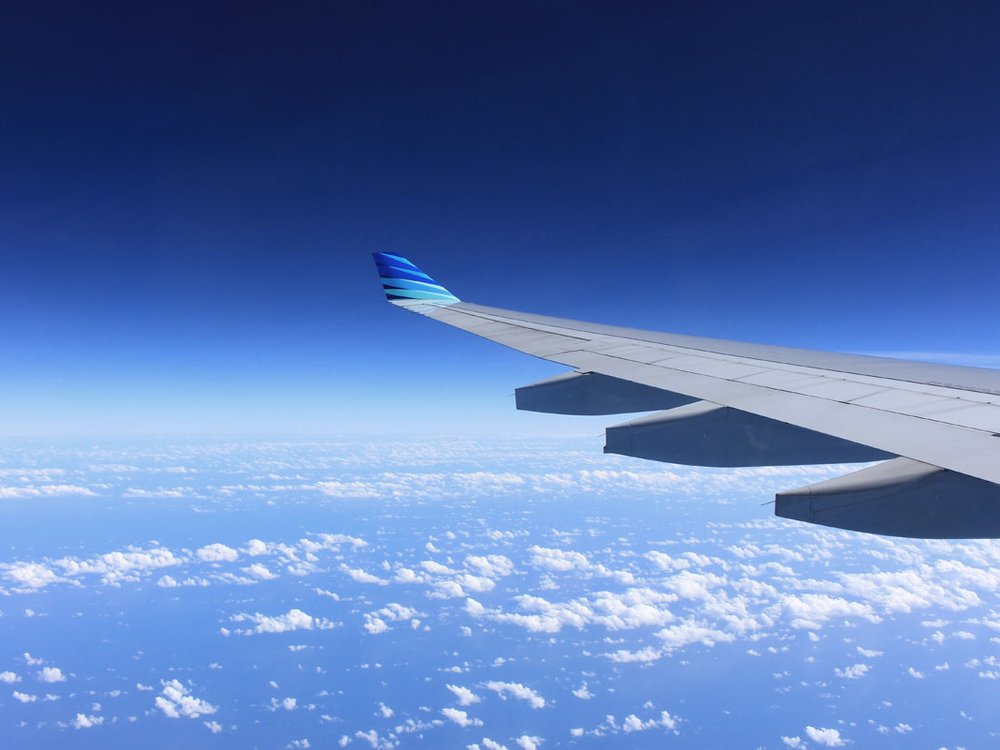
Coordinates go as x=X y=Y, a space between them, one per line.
x=725 y=403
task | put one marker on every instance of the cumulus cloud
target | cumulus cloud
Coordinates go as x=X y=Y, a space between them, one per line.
x=175 y=700
x=375 y=625
x=813 y=610
x=362 y=576
x=257 y=570
x=51 y=674
x=378 y=621
x=633 y=723
x=113 y=568
x=256 y=548
x=516 y=690
x=10 y=677
x=83 y=721
x=853 y=672
x=294 y=619
x=217 y=553
x=30 y=575
x=45 y=490
x=491 y=566
x=463 y=695
x=632 y=608
x=557 y=560
x=528 y=742
x=583 y=693
x=825 y=737
x=460 y=717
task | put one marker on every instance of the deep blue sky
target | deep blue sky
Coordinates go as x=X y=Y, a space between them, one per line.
x=189 y=195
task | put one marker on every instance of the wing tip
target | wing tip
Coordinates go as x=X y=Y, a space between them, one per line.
x=404 y=283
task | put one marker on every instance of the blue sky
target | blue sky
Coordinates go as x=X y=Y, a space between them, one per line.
x=190 y=196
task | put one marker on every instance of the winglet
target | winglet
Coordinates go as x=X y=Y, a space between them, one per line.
x=403 y=282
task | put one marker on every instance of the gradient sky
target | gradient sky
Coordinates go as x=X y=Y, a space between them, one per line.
x=190 y=193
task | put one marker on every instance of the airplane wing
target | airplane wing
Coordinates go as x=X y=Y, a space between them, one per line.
x=934 y=428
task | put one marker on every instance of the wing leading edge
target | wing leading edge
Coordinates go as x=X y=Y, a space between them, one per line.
x=724 y=403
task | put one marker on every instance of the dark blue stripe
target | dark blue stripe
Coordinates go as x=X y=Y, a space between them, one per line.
x=399 y=273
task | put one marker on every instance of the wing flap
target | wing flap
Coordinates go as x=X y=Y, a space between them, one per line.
x=591 y=393
x=705 y=434
x=900 y=497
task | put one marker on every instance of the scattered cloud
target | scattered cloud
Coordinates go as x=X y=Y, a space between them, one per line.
x=175 y=700
x=293 y=619
x=825 y=737
x=460 y=717
x=516 y=690
x=463 y=695
x=84 y=721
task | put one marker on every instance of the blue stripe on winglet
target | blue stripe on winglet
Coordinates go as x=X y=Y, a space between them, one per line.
x=402 y=280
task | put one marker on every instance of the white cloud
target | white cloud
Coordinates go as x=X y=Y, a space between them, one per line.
x=158 y=492
x=491 y=566
x=633 y=723
x=10 y=677
x=562 y=561
x=378 y=621
x=688 y=632
x=83 y=721
x=436 y=568
x=175 y=700
x=583 y=693
x=363 y=576
x=294 y=619
x=30 y=575
x=632 y=608
x=256 y=548
x=24 y=697
x=793 y=742
x=464 y=696
x=257 y=570
x=528 y=742
x=516 y=690
x=217 y=553
x=813 y=610
x=853 y=672
x=45 y=490
x=51 y=674
x=825 y=737
x=213 y=726
x=460 y=717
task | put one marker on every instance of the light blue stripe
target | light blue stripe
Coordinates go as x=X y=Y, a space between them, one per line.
x=417 y=294
x=408 y=284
